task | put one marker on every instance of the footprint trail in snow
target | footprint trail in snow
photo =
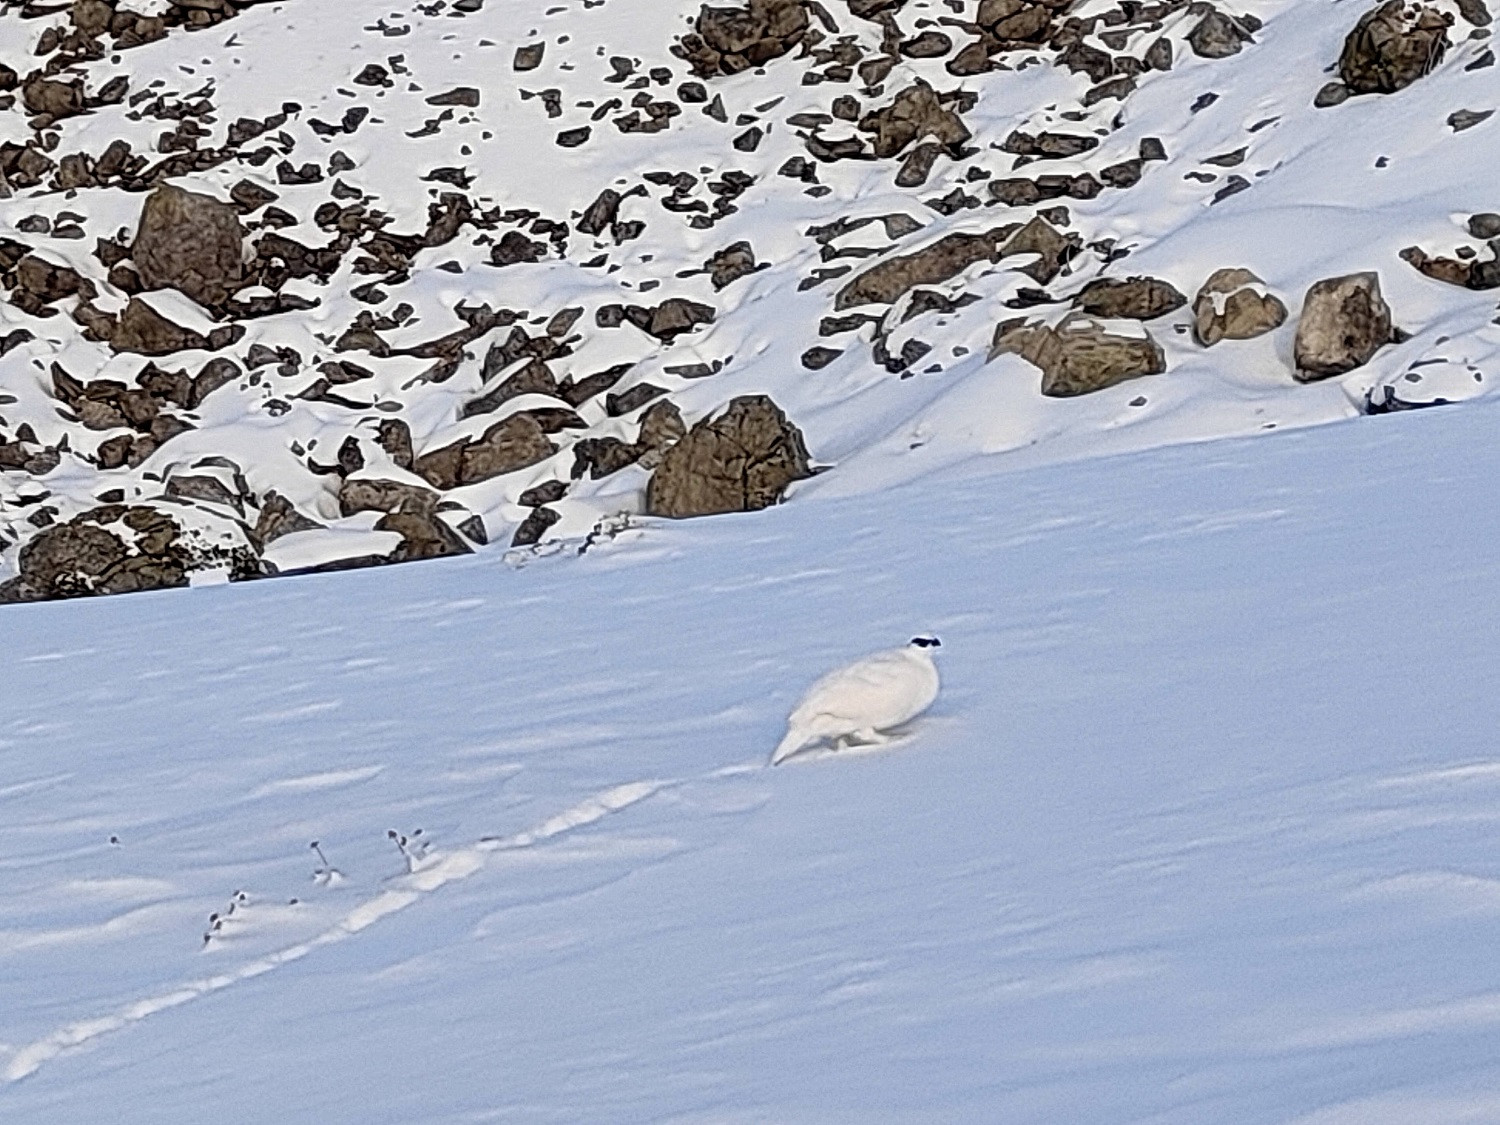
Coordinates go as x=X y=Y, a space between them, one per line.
x=432 y=873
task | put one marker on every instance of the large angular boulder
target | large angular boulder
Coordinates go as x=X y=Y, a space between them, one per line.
x=191 y=243
x=1345 y=321
x=729 y=40
x=1079 y=357
x=1392 y=46
x=1234 y=305
x=741 y=461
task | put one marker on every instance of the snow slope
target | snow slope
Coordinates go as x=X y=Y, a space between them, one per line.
x=1200 y=828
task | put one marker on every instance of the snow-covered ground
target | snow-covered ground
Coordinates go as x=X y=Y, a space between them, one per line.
x=1201 y=828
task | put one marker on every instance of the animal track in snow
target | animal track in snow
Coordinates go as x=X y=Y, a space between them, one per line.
x=435 y=870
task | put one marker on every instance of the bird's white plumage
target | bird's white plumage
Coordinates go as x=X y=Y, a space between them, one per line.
x=863 y=699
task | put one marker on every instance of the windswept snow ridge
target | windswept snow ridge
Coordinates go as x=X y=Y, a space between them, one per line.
x=300 y=283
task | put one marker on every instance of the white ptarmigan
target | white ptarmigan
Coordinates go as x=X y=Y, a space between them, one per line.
x=864 y=699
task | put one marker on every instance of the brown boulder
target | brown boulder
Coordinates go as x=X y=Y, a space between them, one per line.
x=1052 y=248
x=360 y=494
x=1230 y=307
x=945 y=258
x=1345 y=321
x=423 y=536
x=1078 y=357
x=52 y=97
x=513 y=443
x=730 y=40
x=1136 y=298
x=1392 y=46
x=916 y=112
x=741 y=461
x=191 y=243
x=145 y=331
x=115 y=549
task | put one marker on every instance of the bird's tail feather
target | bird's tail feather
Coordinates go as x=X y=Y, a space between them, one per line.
x=794 y=741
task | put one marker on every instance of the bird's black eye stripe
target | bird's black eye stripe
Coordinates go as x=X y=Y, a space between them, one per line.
x=926 y=642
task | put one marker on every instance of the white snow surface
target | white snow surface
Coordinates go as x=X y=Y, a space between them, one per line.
x=1200 y=829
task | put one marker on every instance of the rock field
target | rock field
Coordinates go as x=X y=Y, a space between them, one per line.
x=293 y=285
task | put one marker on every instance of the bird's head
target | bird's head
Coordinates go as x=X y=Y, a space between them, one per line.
x=926 y=642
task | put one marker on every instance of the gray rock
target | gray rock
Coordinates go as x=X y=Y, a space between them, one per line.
x=916 y=113
x=945 y=258
x=1217 y=36
x=115 y=549
x=1485 y=225
x=1392 y=46
x=1079 y=357
x=1229 y=307
x=741 y=461
x=1135 y=298
x=1345 y=321
x=513 y=443
x=191 y=243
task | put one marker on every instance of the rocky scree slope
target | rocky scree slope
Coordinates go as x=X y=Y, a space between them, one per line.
x=308 y=284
